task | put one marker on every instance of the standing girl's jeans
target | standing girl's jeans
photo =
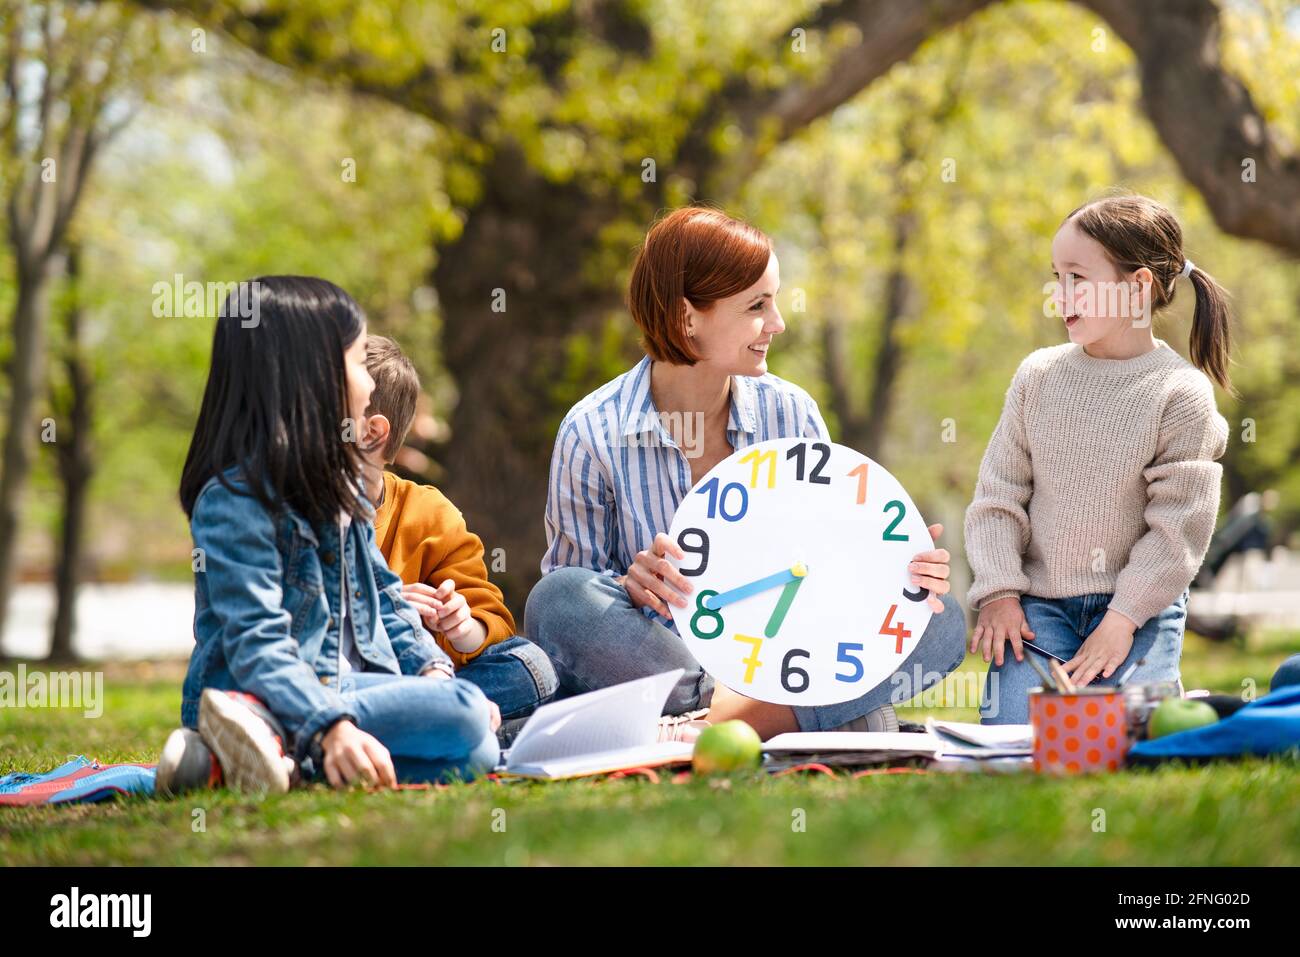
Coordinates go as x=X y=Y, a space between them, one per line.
x=435 y=729
x=596 y=637
x=1060 y=626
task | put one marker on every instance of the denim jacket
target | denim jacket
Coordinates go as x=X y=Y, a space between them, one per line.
x=267 y=594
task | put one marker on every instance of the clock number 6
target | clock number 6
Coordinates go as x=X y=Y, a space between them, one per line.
x=788 y=669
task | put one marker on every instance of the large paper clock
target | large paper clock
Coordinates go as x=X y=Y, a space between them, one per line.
x=798 y=553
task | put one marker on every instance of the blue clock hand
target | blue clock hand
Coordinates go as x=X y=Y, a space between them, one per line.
x=714 y=602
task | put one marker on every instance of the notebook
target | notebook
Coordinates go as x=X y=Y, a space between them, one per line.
x=985 y=740
x=941 y=742
x=612 y=729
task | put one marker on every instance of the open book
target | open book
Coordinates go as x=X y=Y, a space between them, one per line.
x=607 y=730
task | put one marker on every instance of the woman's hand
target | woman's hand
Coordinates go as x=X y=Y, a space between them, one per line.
x=1102 y=651
x=653 y=582
x=352 y=755
x=445 y=610
x=1001 y=621
x=930 y=570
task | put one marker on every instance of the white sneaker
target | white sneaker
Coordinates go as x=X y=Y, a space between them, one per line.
x=247 y=741
x=682 y=727
x=186 y=763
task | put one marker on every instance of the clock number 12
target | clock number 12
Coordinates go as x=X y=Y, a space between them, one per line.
x=800 y=452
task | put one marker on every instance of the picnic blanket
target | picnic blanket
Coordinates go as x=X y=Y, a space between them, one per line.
x=80 y=780
x=1268 y=725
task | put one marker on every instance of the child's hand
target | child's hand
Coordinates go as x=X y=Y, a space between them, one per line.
x=445 y=610
x=1103 y=651
x=1000 y=621
x=352 y=755
x=929 y=570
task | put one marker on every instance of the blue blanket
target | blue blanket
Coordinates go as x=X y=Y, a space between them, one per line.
x=1269 y=725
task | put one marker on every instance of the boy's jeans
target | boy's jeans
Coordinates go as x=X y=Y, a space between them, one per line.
x=596 y=637
x=514 y=673
x=435 y=729
x=1060 y=626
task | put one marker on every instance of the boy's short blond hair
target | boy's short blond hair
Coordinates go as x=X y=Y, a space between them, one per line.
x=397 y=388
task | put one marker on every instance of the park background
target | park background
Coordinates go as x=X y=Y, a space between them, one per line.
x=478 y=177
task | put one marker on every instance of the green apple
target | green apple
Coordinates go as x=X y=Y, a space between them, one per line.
x=726 y=747
x=1179 y=714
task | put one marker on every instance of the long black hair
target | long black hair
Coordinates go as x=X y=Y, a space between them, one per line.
x=276 y=403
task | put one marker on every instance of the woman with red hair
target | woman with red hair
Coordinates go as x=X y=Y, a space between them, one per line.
x=703 y=293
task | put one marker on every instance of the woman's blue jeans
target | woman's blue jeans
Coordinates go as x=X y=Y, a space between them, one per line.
x=596 y=637
x=1060 y=626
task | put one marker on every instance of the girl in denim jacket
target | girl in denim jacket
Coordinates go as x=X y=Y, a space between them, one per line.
x=307 y=660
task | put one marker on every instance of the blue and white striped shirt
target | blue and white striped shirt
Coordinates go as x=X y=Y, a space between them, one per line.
x=617 y=476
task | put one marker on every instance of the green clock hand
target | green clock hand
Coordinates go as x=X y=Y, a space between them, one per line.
x=782 y=606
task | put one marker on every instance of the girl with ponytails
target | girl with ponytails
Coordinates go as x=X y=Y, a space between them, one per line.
x=1098 y=491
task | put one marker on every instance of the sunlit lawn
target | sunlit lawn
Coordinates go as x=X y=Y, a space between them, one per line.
x=1220 y=814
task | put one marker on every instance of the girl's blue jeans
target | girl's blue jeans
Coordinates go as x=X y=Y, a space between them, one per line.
x=1060 y=625
x=436 y=730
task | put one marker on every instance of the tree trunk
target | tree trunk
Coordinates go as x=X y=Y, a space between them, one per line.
x=76 y=466
x=531 y=239
x=898 y=300
x=25 y=381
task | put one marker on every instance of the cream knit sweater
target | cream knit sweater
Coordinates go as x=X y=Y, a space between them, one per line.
x=1100 y=478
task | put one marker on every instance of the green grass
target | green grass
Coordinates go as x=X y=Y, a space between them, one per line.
x=1225 y=814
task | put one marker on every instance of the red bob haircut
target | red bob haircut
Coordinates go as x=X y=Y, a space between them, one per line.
x=698 y=254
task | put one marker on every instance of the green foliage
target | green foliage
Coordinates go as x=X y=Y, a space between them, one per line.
x=1043 y=121
x=238 y=170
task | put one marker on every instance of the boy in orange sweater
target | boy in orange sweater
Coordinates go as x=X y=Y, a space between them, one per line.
x=423 y=537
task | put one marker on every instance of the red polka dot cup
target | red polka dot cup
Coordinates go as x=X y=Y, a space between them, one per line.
x=1078 y=733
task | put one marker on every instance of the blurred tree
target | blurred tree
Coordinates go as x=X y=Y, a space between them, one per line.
x=71 y=401
x=1047 y=119
x=569 y=124
x=70 y=76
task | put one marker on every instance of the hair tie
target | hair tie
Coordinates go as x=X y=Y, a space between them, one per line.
x=1188 y=266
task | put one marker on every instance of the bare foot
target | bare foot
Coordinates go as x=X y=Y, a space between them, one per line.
x=767 y=719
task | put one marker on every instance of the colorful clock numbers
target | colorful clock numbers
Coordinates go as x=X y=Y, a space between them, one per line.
x=798 y=551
